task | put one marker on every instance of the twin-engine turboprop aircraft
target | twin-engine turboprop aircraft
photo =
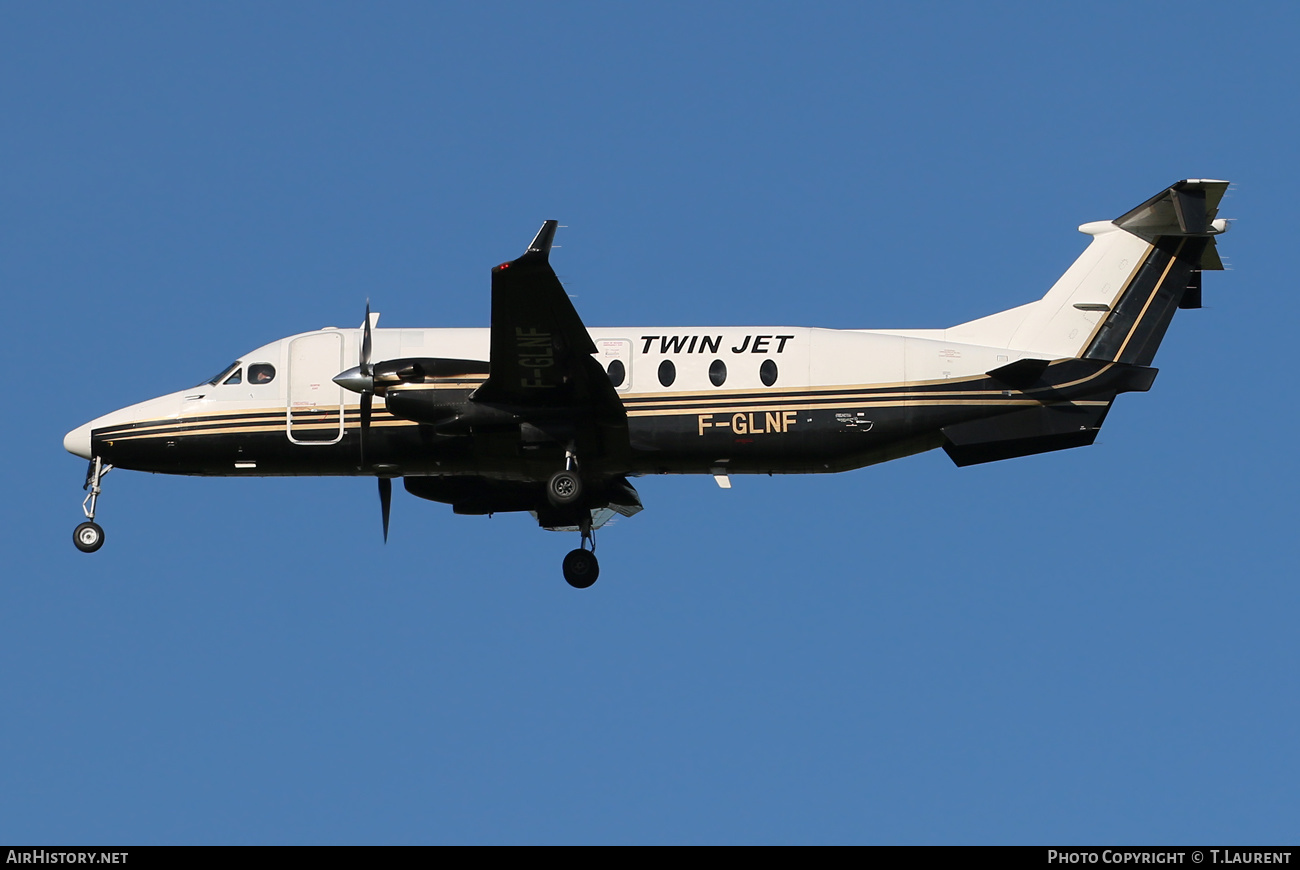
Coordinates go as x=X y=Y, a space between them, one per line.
x=539 y=413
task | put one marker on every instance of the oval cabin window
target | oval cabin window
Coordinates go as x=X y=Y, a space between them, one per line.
x=617 y=372
x=767 y=372
x=667 y=373
x=718 y=373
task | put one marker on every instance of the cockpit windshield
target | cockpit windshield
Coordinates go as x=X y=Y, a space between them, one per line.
x=221 y=376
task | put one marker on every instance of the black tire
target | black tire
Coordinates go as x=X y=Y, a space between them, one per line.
x=88 y=537
x=564 y=488
x=581 y=568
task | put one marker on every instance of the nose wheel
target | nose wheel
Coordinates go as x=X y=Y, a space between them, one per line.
x=89 y=536
x=580 y=567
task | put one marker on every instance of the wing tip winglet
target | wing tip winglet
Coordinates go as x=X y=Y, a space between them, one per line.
x=541 y=243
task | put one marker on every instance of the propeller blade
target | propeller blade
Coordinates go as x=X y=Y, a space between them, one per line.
x=367 y=377
x=365 y=341
x=385 y=501
x=367 y=399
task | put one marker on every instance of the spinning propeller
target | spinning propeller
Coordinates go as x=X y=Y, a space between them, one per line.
x=361 y=379
x=369 y=379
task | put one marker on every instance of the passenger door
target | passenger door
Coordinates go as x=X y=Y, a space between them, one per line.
x=315 y=401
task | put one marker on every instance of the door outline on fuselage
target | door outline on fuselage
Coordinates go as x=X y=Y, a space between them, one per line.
x=313 y=397
x=610 y=349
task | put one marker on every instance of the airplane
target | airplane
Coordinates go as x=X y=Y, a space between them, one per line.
x=539 y=413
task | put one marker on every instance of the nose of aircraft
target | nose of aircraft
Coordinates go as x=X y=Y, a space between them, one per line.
x=77 y=442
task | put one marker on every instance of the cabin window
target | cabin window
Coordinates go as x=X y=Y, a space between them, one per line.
x=718 y=373
x=617 y=372
x=261 y=373
x=767 y=372
x=236 y=378
x=667 y=373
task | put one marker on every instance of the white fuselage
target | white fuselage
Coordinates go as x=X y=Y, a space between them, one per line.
x=800 y=359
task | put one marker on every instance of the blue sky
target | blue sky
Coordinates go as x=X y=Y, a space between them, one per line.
x=1093 y=646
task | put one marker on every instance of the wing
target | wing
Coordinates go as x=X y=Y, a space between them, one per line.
x=541 y=363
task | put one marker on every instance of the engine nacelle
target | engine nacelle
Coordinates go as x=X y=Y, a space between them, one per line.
x=448 y=409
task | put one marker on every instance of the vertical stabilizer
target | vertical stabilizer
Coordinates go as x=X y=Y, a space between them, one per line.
x=1179 y=225
x=1116 y=301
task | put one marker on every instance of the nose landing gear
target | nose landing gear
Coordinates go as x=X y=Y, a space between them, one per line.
x=580 y=567
x=88 y=536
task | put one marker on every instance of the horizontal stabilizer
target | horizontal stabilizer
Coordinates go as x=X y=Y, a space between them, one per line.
x=1024 y=433
x=1187 y=208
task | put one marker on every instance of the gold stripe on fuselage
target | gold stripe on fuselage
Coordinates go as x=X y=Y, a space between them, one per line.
x=637 y=405
x=182 y=427
x=760 y=407
x=756 y=408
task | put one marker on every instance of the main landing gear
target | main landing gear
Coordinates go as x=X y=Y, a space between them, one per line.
x=565 y=486
x=580 y=567
x=88 y=536
x=565 y=490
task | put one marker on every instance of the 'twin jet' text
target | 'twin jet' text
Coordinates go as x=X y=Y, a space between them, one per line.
x=713 y=343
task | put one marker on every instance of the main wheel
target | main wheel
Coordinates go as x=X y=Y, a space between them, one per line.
x=88 y=537
x=564 y=488
x=581 y=568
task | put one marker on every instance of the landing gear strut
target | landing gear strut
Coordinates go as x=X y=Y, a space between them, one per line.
x=88 y=536
x=580 y=567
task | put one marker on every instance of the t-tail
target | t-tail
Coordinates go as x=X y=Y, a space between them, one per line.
x=1118 y=298
x=1107 y=314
